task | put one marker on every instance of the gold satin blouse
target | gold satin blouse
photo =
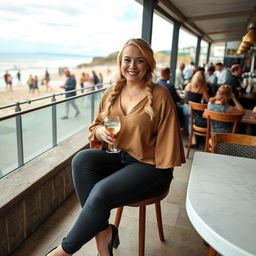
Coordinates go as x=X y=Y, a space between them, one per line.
x=158 y=141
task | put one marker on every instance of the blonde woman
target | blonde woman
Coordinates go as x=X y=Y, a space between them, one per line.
x=220 y=103
x=195 y=91
x=150 y=144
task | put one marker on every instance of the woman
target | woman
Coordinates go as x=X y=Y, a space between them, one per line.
x=195 y=91
x=219 y=103
x=144 y=167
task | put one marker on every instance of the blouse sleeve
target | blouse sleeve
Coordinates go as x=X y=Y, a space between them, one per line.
x=94 y=143
x=169 y=147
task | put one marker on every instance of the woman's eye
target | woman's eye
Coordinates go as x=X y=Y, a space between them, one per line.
x=126 y=60
x=140 y=61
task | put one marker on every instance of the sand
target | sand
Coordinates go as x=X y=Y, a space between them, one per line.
x=20 y=92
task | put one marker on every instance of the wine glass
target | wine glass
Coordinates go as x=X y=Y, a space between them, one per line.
x=112 y=124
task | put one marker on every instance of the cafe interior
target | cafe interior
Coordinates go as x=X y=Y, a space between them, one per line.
x=210 y=207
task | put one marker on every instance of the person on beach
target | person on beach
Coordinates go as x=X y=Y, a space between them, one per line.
x=82 y=81
x=150 y=143
x=70 y=86
x=35 y=85
x=18 y=76
x=6 y=76
x=8 y=81
x=30 y=83
x=96 y=80
x=47 y=81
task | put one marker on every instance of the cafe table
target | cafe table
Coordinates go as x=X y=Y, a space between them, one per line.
x=249 y=117
x=221 y=202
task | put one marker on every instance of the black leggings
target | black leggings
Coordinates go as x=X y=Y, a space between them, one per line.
x=104 y=181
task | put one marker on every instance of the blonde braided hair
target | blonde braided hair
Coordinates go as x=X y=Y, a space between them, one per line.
x=148 y=54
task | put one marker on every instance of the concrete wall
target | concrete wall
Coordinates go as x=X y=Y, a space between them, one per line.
x=32 y=193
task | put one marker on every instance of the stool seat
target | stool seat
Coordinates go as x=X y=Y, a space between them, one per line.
x=142 y=218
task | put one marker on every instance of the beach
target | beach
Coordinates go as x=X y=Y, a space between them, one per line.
x=20 y=91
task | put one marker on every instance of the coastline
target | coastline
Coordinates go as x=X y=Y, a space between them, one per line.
x=20 y=92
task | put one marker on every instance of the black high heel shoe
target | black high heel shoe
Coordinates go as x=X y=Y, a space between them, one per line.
x=114 y=241
x=50 y=251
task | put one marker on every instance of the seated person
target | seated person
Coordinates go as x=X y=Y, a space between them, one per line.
x=211 y=81
x=165 y=81
x=234 y=80
x=195 y=91
x=219 y=103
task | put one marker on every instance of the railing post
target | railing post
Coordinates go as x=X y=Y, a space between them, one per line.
x=19 y=136
x=92 y=106
x=54 y=122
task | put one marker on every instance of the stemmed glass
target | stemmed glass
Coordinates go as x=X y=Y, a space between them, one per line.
x=112 y=124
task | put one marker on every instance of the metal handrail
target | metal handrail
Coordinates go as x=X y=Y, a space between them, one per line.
x=19 y=113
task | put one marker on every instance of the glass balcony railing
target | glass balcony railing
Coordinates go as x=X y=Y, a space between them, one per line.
x=25 y=135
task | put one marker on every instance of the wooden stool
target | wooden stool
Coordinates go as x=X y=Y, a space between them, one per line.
x=142 y=218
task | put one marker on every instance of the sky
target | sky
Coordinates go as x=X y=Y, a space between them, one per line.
x=83 y=27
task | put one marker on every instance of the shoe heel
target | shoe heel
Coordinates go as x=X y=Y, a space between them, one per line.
x=116 y=241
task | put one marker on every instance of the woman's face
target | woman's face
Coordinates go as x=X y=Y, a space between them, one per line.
x=133 y=65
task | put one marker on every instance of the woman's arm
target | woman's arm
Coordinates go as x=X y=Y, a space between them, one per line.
x=238 y=107
x=206 y=94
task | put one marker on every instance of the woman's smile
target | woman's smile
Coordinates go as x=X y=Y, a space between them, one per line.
x=133 y=66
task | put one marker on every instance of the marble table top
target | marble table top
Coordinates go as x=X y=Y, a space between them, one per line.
x=221 y=202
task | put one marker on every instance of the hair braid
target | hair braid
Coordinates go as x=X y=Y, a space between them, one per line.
x=115 y=91
x=148 y=107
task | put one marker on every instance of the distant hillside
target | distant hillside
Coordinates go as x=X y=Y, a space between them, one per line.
x=161 y=57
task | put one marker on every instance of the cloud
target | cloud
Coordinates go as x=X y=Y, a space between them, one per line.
x=91 y=27
x=56 y=25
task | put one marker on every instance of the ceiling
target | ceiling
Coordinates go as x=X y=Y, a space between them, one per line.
x=214 y=20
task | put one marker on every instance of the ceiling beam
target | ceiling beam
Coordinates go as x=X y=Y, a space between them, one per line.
x=184 y=19
x=226 y=31
x=221 y=15
x=227 y=39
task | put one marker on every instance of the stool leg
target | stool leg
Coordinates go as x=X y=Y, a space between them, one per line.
x=212 y=252
x=159 y=221
x=142 y=218
x=119 y=212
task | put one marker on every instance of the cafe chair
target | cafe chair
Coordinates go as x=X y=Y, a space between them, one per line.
x=234 y=144
x=142 y=218
x=234 y=118
x=194 y=129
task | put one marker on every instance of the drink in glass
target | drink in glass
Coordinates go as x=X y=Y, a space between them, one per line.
x=113 y=125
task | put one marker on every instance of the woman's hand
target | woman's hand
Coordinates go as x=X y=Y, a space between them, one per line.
x=103 y=134
x=232 y=96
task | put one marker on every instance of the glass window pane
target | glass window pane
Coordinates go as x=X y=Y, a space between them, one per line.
x=68 y=127
x=187 y=47
x=37 y=133
x=8 y=147
x=162 y=48
x=203 y=53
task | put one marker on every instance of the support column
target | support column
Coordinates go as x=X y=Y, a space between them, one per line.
x=147 y=19
x=198 y=48
x=208 y=53
x=174 y=51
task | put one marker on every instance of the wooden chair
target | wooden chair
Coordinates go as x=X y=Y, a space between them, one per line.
x=221 y=117
x=195 y=130
x=234 y=144
x=142 y=218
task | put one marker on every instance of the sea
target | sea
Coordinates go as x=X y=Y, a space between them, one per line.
x=36 y=64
